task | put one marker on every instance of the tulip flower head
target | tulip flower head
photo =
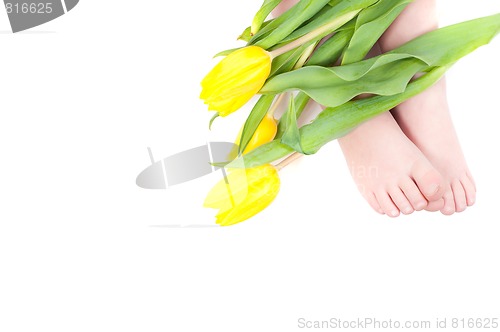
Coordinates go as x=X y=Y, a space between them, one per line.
x=236 y=79
x=265 y=133
x=243 y=194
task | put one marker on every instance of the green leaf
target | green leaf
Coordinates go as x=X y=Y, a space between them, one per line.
x=269 y=26
x=254 y=119
x=285 y=24
x=262 y=14
x=328 y=87
x=246 y=35
x=274 y=24
x=447 y=45
x=291 y=136
x=331 y=50
x=336 y=122
x=337 y=11
x=389 y=73
x=300 y=102
x=372 y=22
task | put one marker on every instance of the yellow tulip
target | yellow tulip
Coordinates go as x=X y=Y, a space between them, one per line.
x=243 y=194
x=265 y=133
x=236 y=79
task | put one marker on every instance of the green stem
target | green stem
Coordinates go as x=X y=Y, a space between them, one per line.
x=276 y=104
x=305 y=56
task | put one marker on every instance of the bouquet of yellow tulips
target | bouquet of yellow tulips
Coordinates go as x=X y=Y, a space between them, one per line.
x=290 y=54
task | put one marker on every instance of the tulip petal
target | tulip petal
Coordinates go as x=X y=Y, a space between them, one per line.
x=236 y=79
x=228 y=192
x=243 y=194
x=257 y=201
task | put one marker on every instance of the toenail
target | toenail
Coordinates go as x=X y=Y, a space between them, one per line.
x=449 y=210
x=408 y=210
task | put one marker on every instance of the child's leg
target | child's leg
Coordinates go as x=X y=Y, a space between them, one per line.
x=390 y=171
x=425 y=119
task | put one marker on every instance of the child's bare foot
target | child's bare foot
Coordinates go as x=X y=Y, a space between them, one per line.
x=390 y=171
x=425 y=119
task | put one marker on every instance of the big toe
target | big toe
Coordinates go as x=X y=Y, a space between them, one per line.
x=429 y=181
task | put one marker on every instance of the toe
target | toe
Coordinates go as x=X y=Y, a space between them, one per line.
x=429 y=181
x=435 y=206
x=471 y=179
x=400 y=200
x=470 y=190
x=372 y=200
x=449 y=203
x=387 y=204
x=459 y=195
x=413 y=194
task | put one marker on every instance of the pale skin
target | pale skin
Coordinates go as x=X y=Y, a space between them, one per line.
x=409 y=159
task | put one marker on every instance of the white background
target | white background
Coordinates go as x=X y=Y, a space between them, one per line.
x=82 y=97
